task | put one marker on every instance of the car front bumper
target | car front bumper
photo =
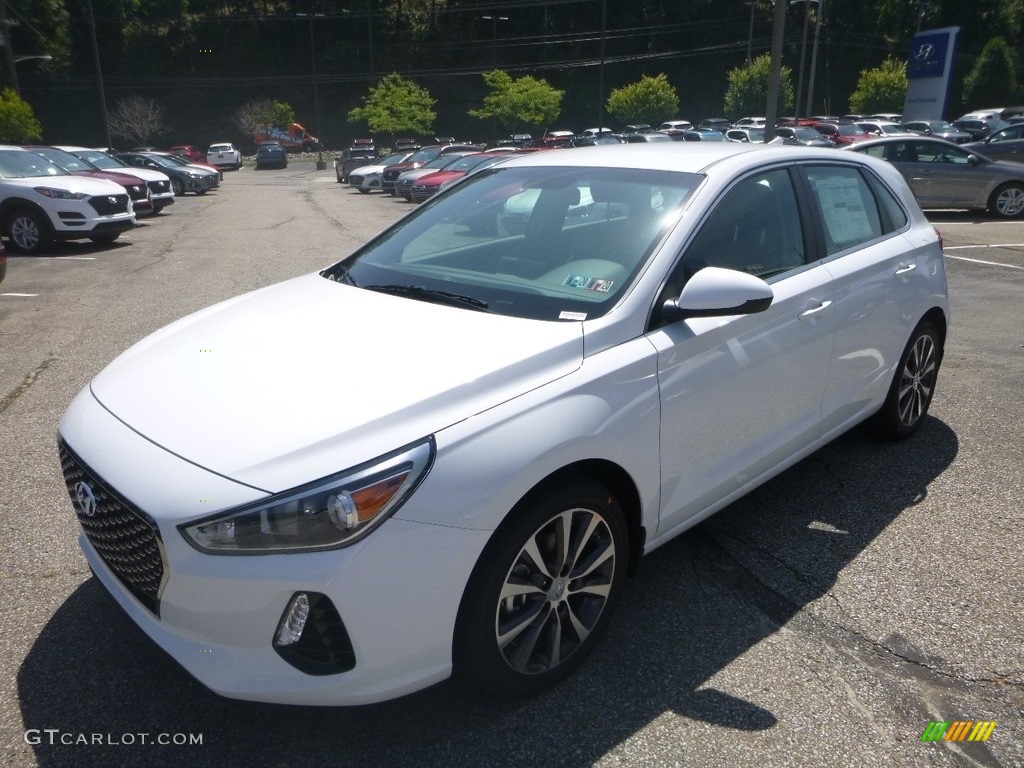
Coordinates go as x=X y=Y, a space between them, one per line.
x=397 y=591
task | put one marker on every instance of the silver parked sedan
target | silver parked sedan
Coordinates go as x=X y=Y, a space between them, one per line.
x=945 y=175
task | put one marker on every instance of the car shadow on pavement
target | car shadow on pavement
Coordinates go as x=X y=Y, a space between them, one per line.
x=695 y=606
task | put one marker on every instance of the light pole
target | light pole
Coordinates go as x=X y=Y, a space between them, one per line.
x=320 y=162
x=18 y=60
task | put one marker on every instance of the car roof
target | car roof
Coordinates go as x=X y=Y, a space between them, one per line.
x=688 y=157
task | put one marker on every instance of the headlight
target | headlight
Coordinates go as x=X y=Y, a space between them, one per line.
x=61 y=194
x=194 y=175
x=332 y=512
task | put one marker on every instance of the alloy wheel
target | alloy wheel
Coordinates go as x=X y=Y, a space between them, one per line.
x=917 y=380
x=555 y=592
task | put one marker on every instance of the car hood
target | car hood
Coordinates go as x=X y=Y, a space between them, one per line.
x=310 y=377
x=83 y=184
x=124 y=179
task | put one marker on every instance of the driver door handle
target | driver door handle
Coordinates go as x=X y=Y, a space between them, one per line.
x=808 y=313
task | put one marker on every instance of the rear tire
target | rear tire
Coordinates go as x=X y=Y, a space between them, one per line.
x=28 y=231
x=543 y=590
x=912 y=387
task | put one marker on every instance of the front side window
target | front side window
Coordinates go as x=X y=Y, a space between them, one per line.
x=933 y=152
x=548 y=243
x=848 y=208
x=755 y=228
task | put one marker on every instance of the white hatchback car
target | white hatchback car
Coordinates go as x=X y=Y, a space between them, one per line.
x=465 y=477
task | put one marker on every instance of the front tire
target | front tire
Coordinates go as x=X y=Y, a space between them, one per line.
x=28 y=231
x=177 y=187
x=543 y=590
x=912 y=387
x=1007 y=202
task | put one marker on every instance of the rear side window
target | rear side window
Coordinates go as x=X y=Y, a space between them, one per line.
x=849 y=211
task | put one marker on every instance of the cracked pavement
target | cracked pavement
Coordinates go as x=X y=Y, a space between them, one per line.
x=823 y=620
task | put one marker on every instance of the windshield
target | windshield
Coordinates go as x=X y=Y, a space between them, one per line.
x=395 y=158
x=65 y=160
x=102 y=160
x=19 y=164
x=547 y=243
x=806 y=134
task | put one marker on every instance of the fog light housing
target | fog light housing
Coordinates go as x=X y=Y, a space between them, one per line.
x=312 y=637
x=294 y=621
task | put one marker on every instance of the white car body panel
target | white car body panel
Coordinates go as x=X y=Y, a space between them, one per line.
x=242 y=359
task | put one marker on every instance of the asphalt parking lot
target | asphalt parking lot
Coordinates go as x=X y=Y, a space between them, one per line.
x=824 y=620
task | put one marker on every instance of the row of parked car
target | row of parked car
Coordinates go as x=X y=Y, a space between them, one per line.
x=59 y=193
x=979 y=175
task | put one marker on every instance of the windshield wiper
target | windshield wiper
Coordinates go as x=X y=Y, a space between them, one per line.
x=431 y=295
x=340 y=274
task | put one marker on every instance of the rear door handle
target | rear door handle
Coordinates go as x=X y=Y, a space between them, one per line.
x=906 y=270
x=815 y=310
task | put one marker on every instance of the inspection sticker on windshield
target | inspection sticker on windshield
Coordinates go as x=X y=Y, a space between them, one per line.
x=588 y=283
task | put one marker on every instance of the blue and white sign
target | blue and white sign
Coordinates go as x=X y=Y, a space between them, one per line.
x=929 y=66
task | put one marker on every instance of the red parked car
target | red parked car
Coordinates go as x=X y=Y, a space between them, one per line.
x=842 y=133
x=418 y=158
x=427 y=186
x=187 y=150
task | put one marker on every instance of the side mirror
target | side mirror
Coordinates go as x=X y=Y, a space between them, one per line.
x=718 y=292
x=973 y=159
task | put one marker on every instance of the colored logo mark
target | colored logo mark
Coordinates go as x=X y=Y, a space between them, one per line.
x=958 y=730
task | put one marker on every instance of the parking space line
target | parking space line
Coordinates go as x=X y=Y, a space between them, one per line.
x=65 y=258
x=982 y=261
x=19 y=294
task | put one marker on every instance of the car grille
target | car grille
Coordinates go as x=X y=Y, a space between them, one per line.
x=137 y=192
x=404 y=187
x=422 y=192
x=108 y=205
x=126 y=538
x=355 y=181
x=159 y=187
x=391 y=175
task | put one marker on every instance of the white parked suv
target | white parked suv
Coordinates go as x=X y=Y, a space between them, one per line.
x=40 y=203
x=224 y=156
x=511 y=419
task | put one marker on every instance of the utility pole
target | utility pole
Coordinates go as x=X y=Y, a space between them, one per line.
x=814 y=57
x=5 y=32
x=600 y=70
x=803 y=50
x=99 y=73
x=772 y=107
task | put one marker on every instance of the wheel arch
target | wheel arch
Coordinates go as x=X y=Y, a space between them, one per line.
x=12 y=204
x=937 y=317
x=613 y=477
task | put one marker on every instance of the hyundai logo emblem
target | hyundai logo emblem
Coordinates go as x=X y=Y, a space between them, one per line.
x=924 y=52
x=85 y=499
x=112 y=200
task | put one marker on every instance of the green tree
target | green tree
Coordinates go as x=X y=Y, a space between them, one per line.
x=882 y=89
x=18 y=124
x=993 y=79
x=396 y=105
x=747 y=93
x=652 y=100
x=519 y=103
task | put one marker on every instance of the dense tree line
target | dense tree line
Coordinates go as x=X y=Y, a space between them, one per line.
x=203 y=59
